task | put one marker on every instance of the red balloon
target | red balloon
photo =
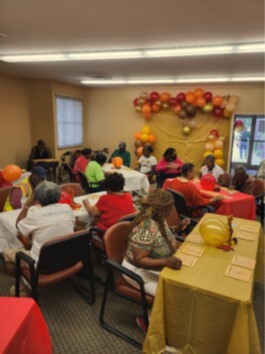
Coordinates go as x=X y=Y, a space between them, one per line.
x=66 y=198
x=154 y=96
x=214 y=132
x=135 y=101
x=218 y=112
x=173 y=101
x=208 y=182
x=181 y=97
x=208 y=96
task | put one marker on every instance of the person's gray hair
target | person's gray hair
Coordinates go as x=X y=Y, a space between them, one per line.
x=47 y=193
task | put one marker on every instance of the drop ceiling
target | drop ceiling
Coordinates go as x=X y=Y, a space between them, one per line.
x=37 y=26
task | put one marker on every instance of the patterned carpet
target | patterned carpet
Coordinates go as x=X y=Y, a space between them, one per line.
x=74 y=325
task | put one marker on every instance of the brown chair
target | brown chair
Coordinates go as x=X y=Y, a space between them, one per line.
x=116 y=240
x=61 y=258
x=4 y=193
x=75 y=188
x=259 y=194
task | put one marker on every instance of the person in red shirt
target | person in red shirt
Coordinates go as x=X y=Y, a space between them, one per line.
x=193 y=197
x=114 y=205
x=81 y=162
x=169 y=166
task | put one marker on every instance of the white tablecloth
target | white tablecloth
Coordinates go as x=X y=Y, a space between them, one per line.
x=8 y=230
x=134 y=180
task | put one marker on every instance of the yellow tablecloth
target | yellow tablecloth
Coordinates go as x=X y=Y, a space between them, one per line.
x=200 y=310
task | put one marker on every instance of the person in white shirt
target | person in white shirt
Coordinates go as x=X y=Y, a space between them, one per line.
x=38 y=223
x=147 y=162
x=211 y=168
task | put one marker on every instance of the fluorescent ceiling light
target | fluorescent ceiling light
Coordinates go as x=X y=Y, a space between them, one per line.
x=132 y=54
x=248 y=79
x=140 y=53
x=180 y=52
x=147 y=81
x=33 y=58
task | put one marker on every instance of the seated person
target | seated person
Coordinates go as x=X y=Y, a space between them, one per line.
x=114 y=205
x=147 y=162
x=121 y=152
x=95 y=174
x=210 y=167
x=81 y=162
x=169 y=166
x=22 y=191
x=40 y=151
x=193 y=197
x=151 y=245
x=241 y=181
x=40 y=223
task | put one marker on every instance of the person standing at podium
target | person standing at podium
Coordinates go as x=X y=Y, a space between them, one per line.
x=40 y=151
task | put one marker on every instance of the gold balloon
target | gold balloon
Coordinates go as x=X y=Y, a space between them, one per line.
x=158 y=103
x=165 y=105
x=138 y=109
x=222 y=138
x=214 y=232
x=186 y=130
x=141 y=101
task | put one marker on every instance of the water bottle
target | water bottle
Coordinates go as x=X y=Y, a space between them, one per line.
x=23 y=200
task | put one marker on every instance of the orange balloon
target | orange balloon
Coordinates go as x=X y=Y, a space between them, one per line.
x=155 y=108
x=165 y=96
x=138 y=136
x=146 y=108
x=200 y=102
x=11 y=173
x=148 y=115
x=198 y=92
x=139 y=151
x=217 y=100
x=117 y=162
x=177 y=108
x=151 y=138
x=190 y=97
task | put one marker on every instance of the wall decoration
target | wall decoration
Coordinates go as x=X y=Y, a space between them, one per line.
x=142 y=138
x=214 y=146
x=186 y=105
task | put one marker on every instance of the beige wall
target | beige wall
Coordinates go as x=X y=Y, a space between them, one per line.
x=15 y=138
x=27 y=110
x=111 y=114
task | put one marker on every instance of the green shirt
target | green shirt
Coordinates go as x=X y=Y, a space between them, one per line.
x=125 y=155
x=94 y=172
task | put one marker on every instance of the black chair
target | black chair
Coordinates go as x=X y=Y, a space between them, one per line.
x=60 y=258
x=68 y=169
x=116 y=240
x=182 y=208
x=90 y=187
x=259 y=195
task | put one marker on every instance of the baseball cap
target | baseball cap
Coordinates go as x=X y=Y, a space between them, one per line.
x=39 y=171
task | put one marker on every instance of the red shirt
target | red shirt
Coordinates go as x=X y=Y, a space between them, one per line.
x=163 y=164
x=113 y=207
x=192 y=196
x=80 y=164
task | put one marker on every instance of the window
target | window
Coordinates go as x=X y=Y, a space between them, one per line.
x=248 y=146
x=69 y=116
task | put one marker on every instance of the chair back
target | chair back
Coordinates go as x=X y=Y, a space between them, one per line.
x=73 y=187
x=84 y=181
x=173 y=218
x=64 y=252
x=129 y=217
x=258 y=187
x=67 y=167
x=116 y=241
x=180 y=202
x=4 y=193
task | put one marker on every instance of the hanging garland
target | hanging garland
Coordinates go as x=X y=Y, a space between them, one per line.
x=186 y=105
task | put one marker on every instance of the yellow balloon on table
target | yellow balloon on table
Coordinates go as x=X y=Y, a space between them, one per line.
x=214 y=232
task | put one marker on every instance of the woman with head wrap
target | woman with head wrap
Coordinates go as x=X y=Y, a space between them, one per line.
x=151 y=245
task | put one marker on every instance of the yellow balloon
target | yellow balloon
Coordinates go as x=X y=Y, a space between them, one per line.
x=144 y=138
x=220 y=162
x=214 y=232
x=207 y=153
x=186 y=130
x=146 y=129
x=218 y=154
